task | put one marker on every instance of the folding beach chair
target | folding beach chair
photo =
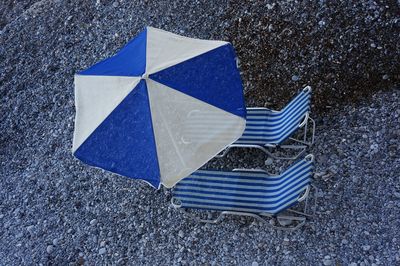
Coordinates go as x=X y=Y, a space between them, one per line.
x=250 y=193
x=267 y=129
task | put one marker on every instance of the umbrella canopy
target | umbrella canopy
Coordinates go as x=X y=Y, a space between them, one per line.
x=160 y=108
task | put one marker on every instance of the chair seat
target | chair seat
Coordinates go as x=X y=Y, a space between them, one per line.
x=251 y=191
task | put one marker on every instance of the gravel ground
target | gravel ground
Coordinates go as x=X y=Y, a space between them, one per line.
x=55 y=210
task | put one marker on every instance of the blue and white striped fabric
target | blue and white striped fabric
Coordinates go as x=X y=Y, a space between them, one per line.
x=265 y=126
x=244 y=191
x=132 y=108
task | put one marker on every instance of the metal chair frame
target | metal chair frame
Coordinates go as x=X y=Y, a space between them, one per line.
x=302 y=144
x=266 y=217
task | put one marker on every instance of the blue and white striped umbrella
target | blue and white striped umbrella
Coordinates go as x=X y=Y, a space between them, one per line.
x=134 y=110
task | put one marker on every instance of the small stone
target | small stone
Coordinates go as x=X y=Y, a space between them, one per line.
x=50 y=249
x=286 y=241
x=102 y=243
x=323 y=159
x=295 y=78
x=81 y=261
x=55 y=241
x=19 y=235
x=30 y=228
x=327 y=260
x=284 y=222
x=374 y=146
x=181 y=234
x=102 y=251
x=93 y=222
x=385 y=77
x=270 y=28
x=366 y=247
x=269 y=161
x=254 y=263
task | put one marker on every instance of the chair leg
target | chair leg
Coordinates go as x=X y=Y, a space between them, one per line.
x=304 y=214
x=302 y=148
x=265 y=150
x=305 y=139
x=301 y=221
x=305 y=143
x=263 y=217
x=312 y=130
x=262 y=148
x=306 y=204
x=197 y=219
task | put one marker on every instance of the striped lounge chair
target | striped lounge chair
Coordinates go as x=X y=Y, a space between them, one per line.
x=267 y=128
x=248 y=192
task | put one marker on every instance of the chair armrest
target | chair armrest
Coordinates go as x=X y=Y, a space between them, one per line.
x=305 y=120
x=305 y=195
x=307 y=89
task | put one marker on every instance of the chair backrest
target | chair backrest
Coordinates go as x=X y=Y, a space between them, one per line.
x=274 y=127
x=251 y=191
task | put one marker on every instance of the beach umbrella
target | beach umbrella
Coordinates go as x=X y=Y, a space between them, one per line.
x=160 y=108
